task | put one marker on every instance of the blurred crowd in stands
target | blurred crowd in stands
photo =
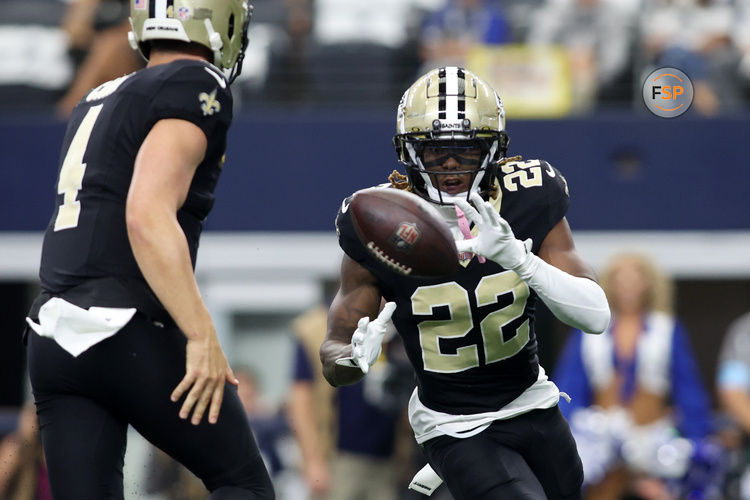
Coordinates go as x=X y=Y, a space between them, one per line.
x=548 y=58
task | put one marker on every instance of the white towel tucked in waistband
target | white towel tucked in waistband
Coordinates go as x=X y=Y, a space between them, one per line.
x=76 y=329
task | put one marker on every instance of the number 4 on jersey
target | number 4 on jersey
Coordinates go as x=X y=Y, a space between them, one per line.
x=71 y=173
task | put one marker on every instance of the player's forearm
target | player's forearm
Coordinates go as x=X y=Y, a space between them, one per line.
x=578 y=302
x=338 y=375
x=162 y=254
x=350 y=305
x=10 y=451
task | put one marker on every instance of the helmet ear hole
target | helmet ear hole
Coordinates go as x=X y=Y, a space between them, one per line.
x=230 y=29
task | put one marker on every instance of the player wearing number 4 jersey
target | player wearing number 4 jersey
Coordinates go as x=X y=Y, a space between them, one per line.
x=120 y=335
x=483 y=410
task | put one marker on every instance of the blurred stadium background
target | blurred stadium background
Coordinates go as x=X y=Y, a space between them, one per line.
x=315 y=113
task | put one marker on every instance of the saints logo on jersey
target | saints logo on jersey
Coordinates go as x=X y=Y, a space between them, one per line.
x=209 y=104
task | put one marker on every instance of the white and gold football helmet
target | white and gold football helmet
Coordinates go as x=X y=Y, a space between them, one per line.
x=450 y=109
x=220 y=25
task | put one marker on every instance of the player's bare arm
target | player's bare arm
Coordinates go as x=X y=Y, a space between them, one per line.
x=164 y=170
x=358 y=297
x=558 y=249
x=300 y=405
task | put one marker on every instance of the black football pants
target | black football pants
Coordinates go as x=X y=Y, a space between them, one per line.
x=85 y=404
x=532 y=456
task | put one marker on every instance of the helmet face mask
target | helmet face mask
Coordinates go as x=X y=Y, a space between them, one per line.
x=219 y=25
x=450 y=124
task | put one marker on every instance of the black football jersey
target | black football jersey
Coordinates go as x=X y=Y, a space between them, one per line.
x=86 y=255
x=470 y=336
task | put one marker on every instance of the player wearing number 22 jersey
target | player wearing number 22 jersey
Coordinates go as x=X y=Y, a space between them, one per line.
x=483 y=410
x=471 y=336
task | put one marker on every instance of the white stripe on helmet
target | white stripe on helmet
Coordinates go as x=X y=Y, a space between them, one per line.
x=451 y=93
x=160 y=9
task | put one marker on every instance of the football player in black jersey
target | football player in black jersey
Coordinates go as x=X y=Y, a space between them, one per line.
x=483 y=410
x=120 y=334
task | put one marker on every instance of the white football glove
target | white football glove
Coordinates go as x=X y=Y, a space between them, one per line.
x=367 y=340
x=496 y=240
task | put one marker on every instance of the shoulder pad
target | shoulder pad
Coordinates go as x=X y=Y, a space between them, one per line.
x=534 y=197
x=527 y=174
x=195 y=92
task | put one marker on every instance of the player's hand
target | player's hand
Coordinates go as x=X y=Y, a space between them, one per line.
x=206 y=370
x=367 y=340
x=496 y=240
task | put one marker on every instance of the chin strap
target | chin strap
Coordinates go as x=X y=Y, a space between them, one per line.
x=215 y=40
x=237 y=68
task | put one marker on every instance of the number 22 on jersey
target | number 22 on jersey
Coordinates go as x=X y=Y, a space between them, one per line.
x=489 y=290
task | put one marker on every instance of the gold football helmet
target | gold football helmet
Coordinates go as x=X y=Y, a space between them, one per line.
x=220 y=25
x=445 y=112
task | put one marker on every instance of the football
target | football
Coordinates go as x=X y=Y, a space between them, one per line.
x=404 y=232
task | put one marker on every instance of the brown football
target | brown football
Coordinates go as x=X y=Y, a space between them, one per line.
x=404 y=232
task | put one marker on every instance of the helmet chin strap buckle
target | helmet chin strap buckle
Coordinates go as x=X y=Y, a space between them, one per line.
x=132 y=37
x=132 y=40
x=215 y=40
